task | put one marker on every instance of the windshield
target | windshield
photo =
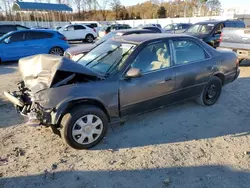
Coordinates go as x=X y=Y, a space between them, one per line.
x=104 y=28
x=169 y=27
x=201 y=28
x=106 y=37
x=108 y=57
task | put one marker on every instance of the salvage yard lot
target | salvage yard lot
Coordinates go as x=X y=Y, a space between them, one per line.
x=185 y=145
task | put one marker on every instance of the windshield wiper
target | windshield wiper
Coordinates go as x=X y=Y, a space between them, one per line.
x=99 y=60
x=116 y=63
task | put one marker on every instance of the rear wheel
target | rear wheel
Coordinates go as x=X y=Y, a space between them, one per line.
x=89 y=38
x=84 y=127
x=211 y=92
x=56 y=51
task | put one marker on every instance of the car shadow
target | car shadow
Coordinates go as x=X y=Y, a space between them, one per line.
x=9 y=116
x=172 y=177
x=8 y=67
x=186 y=121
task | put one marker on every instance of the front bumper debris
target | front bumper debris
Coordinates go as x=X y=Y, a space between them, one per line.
x=16 y=101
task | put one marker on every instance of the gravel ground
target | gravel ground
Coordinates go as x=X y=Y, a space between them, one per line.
x=185 y=145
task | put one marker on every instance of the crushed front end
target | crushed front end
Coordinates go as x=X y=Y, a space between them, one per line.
x=25 y=104
x=47 y=81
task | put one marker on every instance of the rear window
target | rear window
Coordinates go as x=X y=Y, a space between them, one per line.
x=104 y=28
x=94 y=25
x=38 y=35
x=240 y=24
x=79 y=27
x=234 y=24
x=230 y=24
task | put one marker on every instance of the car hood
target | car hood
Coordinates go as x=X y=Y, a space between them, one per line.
x=83 y=48
x=40 y=72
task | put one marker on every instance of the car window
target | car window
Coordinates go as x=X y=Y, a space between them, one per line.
x=240 y=24
x=7 y=28
x=17 y=37
x=185 y=26
x=20 y=28
x=70 y=28
x=201 y=28
x=230 y=24
x=153 y=57
x=38 y=35
x=168 y=27
x=94 y=25
x=187 y=51
x=219 y=28
x=79 y=27
x=108 y=57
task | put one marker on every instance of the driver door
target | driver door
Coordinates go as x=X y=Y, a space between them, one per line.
x=156 y=84
x=15 y=48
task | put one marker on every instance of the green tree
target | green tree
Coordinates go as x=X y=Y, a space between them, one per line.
x=161 y=12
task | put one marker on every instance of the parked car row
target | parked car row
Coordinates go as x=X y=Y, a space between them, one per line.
x=208 y=31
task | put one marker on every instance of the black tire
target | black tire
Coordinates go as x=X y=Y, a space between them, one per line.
x=56 y=51
x=69 y=122
x=89 y=38
x=208 y=97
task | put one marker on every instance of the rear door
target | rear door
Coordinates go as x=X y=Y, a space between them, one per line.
x=194 y=67
x=80 y=31
x=37 y=42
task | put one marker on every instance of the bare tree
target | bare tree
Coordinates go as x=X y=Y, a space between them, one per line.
x=102 y=5
x=116 y=7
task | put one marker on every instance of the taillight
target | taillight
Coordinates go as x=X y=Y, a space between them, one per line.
x=64 y=38
x=221 y=37
x=94 y=29
x=237 y=61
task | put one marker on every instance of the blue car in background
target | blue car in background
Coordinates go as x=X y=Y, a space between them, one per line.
x=18 y=44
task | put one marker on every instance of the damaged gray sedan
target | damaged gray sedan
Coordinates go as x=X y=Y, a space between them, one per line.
x=122 y=77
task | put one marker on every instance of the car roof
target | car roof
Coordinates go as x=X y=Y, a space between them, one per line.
x=211 y=22
x=138 y=39
x=35 y=30
x=130 y=30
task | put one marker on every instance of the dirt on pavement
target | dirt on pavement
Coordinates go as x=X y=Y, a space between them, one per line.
x=185 y=145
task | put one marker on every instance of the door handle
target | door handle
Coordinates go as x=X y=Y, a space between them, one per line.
x=168 y=79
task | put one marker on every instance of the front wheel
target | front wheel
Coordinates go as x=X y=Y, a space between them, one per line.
x=56 y=51
x=211 y=92
x=89 y=38
x=84 y=127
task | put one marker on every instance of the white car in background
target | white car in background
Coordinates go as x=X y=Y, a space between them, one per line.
x=78 y=32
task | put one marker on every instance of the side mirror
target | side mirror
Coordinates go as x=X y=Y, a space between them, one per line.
x=133 y=73
x=7 y=40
